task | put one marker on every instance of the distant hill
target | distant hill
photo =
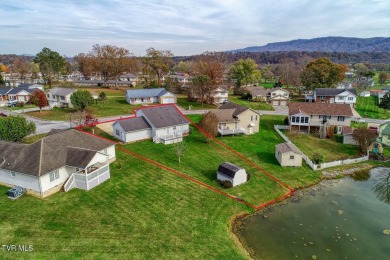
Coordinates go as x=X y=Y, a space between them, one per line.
x=326 y=44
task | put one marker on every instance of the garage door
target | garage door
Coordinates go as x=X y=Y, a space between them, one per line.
x=168 y=100
x=283 y=103
x=275 y=103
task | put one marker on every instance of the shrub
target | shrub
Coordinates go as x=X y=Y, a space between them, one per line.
x=19 y=104
x=226 y=184
x=318 y=158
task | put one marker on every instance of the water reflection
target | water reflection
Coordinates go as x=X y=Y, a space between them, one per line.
x=382 y=186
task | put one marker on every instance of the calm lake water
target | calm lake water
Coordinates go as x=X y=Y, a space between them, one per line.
x=338 y=219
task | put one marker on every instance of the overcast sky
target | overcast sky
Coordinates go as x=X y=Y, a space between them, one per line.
x=182 y=26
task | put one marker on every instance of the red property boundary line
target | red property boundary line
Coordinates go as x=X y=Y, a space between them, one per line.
x=288 y=194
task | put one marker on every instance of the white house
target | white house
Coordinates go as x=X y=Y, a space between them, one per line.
x=31 y=86
x=288 y=154
x=232 y=173
x=60 y=97
x=64 y=158
x=148 y=96
x=274 y=96
x=334 y=95
x=164 y=123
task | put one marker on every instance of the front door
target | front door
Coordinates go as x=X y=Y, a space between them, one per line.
x=250 y=130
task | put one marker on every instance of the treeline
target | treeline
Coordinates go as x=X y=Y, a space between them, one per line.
x=278 y=57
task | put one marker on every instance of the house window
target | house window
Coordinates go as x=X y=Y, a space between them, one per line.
x=293 y=119
x=256 y=118
x=341 y=118
x=54 y=175
x=48 y=95
x=340 y=98
x=13 y=174
x=339 y=129
x=251 y=118
x=291 y=157
x=322 y=98
x=117 y=132
x=62 y=98
x=350 y=98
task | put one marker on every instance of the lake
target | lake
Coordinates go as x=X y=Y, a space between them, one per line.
x=336 y=219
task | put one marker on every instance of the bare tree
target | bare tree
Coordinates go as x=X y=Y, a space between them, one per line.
x=209 y=124
x=363 y=136
x=157 y=62
x=179 y=148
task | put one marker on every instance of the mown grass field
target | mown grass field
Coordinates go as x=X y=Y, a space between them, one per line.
x=368 y=107
x=250 y=104
x=184 y=103
x=201 y=160
x=330 y=149
x=142 y=212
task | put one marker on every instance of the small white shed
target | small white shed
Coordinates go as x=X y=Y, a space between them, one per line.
x=288 y=154
x=231 y=172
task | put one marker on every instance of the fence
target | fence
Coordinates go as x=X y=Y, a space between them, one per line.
x=322 y=165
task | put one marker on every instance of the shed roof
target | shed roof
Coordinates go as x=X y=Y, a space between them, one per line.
x=287 y=147
x=133 y=124
x=229 y=169
x=385 y=129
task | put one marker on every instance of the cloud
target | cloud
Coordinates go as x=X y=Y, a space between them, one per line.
x=185 y=27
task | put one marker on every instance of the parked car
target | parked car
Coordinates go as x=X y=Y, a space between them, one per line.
x=12 y=103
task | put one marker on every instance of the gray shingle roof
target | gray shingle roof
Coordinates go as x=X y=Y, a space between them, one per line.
x=143 y=93
x=225 y=115
x=4 y=91
x=287 y=147
x=163 y=116
x=79 y=157
x=47 y=154
x=332 y=91
x=238 y=109
x=61 y=91
x=229 y=169
x=133 y=124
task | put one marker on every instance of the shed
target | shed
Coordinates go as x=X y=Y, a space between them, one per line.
x=231 y=172
x=288 y=154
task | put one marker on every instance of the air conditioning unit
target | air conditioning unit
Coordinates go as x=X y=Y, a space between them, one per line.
x=16 y=192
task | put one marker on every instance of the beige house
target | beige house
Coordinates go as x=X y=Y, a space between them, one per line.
x=274 y=96
x=236 y=119
x=384 y=133
x=288 y=154
x=304 y=116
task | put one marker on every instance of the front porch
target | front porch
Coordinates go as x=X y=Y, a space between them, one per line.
x=89 y=177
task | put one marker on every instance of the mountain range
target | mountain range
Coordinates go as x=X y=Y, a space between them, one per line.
x=326 y=44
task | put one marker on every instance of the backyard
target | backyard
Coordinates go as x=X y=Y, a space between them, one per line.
x=367 y=107
x=250 y=104
x=184 y=103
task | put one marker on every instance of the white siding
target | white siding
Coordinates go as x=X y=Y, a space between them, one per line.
x=23 y=180
x=64 y=173
x=138 y=135
x=170 y=130
x=239 y=178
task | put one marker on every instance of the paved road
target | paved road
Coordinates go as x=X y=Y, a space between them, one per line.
x=43 y=126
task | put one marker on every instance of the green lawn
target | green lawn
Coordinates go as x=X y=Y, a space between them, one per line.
x=368 y=107
x=201 y=161
x=332 y=150
x=21 y=108
x=142 y=212
x=183 y=102
x=113 y=106
x=250 y=104
x=260 y=149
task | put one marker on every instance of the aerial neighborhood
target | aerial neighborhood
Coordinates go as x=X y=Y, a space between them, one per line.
x=127 y=145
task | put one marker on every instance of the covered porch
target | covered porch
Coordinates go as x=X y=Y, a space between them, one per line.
x=168 y=139
x=234 y=131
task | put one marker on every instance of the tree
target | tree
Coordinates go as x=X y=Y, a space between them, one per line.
x=34 y=71
x=363 y=136
x=21 y=67
x=158 y=62
x=2 y=82
x=201 y=88
x=383 y=77
x=289 y=73
x=179 y=148
x=102 y=96
x=209 y=124
x=209 y=66
x=360 y=69
x=15 y=128
x=244 y=72
x=39 y=99
x=51 y=64
x=385 y=101
x=266 y=72
x=322 y=73
x=81 y=99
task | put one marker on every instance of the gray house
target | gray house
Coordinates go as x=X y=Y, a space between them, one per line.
x=60 y=97
x=231 y=172
x=164 y=123
x=151 y=95
x=64 y=158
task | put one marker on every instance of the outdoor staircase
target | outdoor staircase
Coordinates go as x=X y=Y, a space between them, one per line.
x=157 y=139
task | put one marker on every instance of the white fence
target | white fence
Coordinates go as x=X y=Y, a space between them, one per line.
x=322 y=165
